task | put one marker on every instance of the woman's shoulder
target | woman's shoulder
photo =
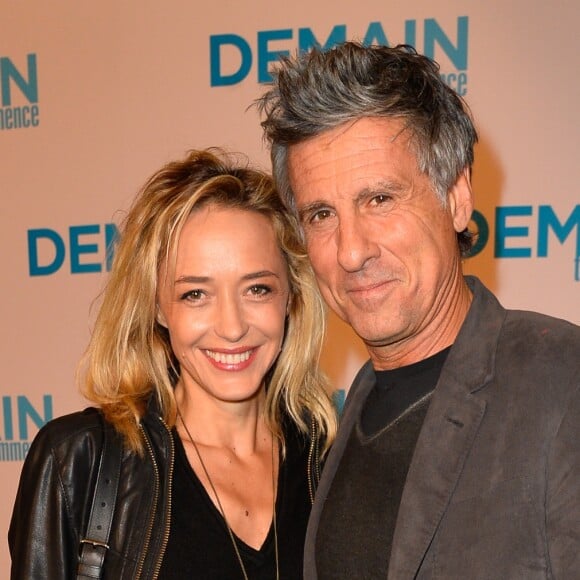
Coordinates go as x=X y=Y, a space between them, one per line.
x=62 y=428
x=78 y=433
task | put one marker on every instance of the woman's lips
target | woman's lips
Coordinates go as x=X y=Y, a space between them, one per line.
x=230 y=360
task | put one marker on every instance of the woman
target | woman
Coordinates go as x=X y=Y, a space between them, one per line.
x=204 y=360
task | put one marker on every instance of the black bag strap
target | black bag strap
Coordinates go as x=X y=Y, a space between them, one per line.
x=94 y=545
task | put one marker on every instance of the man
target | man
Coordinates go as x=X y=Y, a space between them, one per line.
x=458 y=455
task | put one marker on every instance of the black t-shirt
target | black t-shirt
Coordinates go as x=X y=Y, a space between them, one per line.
x=358 y=519
x=199 y=545
x=398 y=389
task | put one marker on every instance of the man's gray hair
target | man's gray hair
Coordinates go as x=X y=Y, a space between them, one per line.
x=320 y=90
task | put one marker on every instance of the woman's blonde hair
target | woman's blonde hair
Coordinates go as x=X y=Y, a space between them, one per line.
x=129 y=357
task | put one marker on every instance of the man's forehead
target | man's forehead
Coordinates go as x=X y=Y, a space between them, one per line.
x=371 y=154
x=383 y=131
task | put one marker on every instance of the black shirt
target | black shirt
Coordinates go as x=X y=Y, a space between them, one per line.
x=199 y=545
x=398 y=389
x=357 y=523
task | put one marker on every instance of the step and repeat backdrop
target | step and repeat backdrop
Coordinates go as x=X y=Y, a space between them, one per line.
x=96 y=96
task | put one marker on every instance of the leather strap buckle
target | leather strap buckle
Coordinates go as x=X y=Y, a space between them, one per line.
x=95 y=543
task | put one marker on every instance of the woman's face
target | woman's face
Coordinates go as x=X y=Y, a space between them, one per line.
x=225 y=305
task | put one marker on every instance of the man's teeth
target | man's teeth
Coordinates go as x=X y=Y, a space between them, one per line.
x=229 y=359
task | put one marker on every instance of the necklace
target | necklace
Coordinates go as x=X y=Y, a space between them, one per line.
x=222 y=511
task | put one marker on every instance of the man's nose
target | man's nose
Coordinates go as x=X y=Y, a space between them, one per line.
x=354 y=245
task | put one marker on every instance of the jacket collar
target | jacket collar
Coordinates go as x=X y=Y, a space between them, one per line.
x=452 y=421
x=467 y=368
x=448 y=433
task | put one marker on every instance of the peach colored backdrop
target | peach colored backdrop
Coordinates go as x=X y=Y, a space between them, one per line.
x=107 y=92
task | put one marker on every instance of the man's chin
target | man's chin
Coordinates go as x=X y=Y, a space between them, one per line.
x=374 y=337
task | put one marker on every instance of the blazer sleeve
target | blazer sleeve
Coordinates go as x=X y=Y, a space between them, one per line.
x=563 y=494
x=41 y=533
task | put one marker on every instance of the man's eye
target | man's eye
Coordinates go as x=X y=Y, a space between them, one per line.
x=320 y=215
x=380 y=199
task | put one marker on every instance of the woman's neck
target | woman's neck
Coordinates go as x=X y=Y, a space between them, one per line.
x=237 y=426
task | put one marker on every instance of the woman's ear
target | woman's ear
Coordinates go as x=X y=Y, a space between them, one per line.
x=460 y=200
x=160 y=317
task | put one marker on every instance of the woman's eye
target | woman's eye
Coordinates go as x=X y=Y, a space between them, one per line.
x=193 y=295
x=260 y=290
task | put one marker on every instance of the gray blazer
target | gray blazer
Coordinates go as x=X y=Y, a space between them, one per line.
x=493 y=491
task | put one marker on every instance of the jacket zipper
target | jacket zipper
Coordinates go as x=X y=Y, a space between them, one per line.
x=155 y=499
x=169 y=501
x=312 y=471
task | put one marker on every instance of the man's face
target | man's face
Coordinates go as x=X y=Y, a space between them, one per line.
x=383 y=246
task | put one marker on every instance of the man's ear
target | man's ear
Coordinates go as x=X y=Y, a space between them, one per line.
x=460 y=201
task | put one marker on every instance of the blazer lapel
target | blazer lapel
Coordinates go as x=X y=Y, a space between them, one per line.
x=448 y=433
x=443 y=445
x=362 y=385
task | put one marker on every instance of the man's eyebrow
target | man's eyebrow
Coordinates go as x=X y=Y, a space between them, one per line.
x=383 y=186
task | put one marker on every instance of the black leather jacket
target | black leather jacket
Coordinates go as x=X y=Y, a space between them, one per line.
x=54 y=500
x=56 y=489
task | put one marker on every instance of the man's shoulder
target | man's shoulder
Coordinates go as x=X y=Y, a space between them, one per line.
x=537 y=364
x=487 y=304
x=541 y=333
x=536 y=318
x=524 y=332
